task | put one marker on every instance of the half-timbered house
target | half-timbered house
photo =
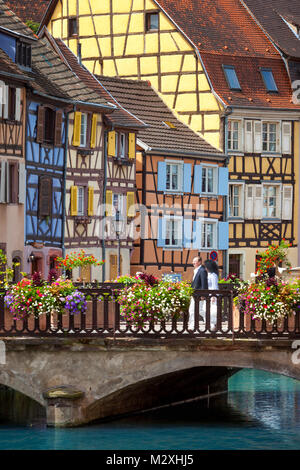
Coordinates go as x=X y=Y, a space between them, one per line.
x=181 y=182
x=228 y=84
x=103 y=156
x=12 y=151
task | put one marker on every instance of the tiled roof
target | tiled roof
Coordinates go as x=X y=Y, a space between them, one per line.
x=120 y=117
x=219 y=26
x=28 y=9
x=253 y=92
x=269 y=14
x=141 y=100
x=51 y=75
x=7 y=66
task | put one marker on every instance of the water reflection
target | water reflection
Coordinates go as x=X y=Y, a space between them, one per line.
x=260 y=411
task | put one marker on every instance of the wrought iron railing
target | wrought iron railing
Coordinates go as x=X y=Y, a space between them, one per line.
x=103 y=318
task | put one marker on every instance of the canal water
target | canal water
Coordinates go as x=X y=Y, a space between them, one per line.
x=260 y=411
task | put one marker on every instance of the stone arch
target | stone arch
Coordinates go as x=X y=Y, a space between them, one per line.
x=19 y=384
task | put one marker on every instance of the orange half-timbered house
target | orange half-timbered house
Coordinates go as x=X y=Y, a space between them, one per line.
x=181 y=183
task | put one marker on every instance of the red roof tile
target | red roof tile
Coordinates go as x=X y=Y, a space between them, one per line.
x=28 y=9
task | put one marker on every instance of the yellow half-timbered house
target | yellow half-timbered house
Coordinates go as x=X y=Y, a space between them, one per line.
x=223 y=77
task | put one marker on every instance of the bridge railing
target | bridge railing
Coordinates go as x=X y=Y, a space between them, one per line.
x=214 y=316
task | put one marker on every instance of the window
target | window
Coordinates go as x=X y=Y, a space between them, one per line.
x=122 y=145
x=208 y=235
x=270 y=201
x=11 y=103
x=234 y=130
x=269 y=137
x=49 y=127
x=173 y=232
x=13 y=182
x=80 y=200
x=83 y=130
x=231 y=77
x=72 y=26
x=173 y=177
x=236 y=200
x=23 y=54
x=209 y=180
x=152 y=20
x=117 y=203
x=268 y=79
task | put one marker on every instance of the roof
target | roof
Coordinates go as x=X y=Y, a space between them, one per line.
x=9 y=68
x=28 y=9
x=51 y=75
x=271 y=15
x=120 y=117
x=225 y=33
x=253 y=93
x=141 y=99
x=219 y=26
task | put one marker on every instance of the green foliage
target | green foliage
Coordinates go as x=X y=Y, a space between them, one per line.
x=33 y=26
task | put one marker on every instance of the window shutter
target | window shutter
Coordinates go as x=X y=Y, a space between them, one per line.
x=197 y=179
x=223 y=235
x=240 y=134
x=161 y=176
x=2 y=93
x=2 y=182
x=286 y=137
x=91 y=201
x=108 y=203
x=5 y=101
x=257 y=137
x=187 y=233
x=76 y=129
x=197 y=234
x=7 y=183
x=45 y=196
x=187 y=177
x=18 y=104
x=161 y=233
x=287 y=202
x=258 y=201
x=131 y=145
x=278 y=137
x=249 y=201
x=111 y=150
x=94 y=131
x=58 y=126
x=278 y=201
x=40 y=124
x=74 y=200
x=130 y=204
x=248 y=137
x=223 y=181
x=22 y=183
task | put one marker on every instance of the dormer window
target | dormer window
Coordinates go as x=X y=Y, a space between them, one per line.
x=268 y=79
x=231 y=77
x=23 y=56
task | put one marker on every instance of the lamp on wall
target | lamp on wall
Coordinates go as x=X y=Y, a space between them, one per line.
x=31 y=257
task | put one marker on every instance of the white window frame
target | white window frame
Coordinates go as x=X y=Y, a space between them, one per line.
x=83 y=130
x=278 y=197
x=214 y=223
x=179 y=220
x=120 y=203
x=122 y=145
x=214 y=192
x=241 y=186
x=80 y=200
x=240 y=135
x=180 y=176
x=277 y=136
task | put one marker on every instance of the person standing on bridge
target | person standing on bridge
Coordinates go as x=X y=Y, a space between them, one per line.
x=199 y=282
x=213 y=280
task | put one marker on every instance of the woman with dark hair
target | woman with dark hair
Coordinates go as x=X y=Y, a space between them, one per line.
x=212 y=280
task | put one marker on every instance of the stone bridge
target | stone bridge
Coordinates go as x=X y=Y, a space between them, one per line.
x=78 y=380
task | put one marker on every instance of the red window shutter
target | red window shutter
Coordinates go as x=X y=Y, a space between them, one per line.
x=58 y=125
x=45 y=196
x=40 y=124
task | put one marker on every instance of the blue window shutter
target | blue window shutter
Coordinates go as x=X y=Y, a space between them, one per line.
x=160 y=234
x=161 y=176
x=197 y=179
x=187 y=177
x=187 y=233
x=197 y=234
x=223 y=181
x=223 y=235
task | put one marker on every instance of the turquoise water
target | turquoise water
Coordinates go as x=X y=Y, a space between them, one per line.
x=261 y=411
